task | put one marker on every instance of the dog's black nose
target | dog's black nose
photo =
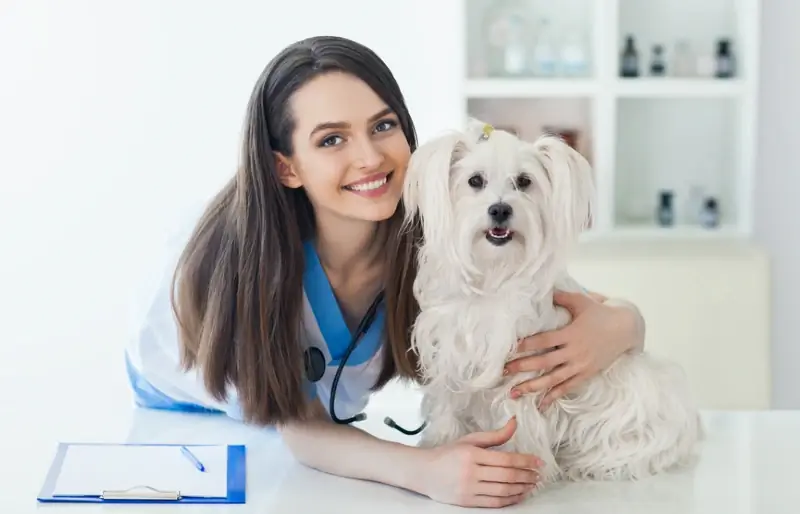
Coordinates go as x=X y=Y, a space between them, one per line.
x=500 y=212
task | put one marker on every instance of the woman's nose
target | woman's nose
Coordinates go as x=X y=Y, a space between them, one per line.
x=368 y=155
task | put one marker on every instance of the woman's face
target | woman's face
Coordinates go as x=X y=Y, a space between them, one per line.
x=350 y=153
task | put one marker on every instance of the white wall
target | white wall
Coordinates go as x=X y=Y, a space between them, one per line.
x=777 y=189
x=116 y=115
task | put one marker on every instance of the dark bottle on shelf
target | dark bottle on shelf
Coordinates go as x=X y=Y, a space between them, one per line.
x=725 y=62
x=658 y=65
x=629 y=59
x=666 y=214
x=709 y=216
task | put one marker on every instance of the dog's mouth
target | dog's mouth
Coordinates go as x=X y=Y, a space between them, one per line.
x=499 y=236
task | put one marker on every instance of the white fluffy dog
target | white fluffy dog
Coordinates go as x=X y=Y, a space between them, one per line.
x=499 y=217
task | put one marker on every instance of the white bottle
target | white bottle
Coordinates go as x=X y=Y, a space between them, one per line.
x=545 y=57
x=574 y=55
x=683 y=64
x=505 y=33
x=515 y=53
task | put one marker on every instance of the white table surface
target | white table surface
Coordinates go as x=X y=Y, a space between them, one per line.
x=749 y=466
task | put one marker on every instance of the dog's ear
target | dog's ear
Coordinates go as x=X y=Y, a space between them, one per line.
x=426 y=191
x=572 y=182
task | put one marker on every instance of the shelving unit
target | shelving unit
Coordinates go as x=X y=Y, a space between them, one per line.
x=687 y=132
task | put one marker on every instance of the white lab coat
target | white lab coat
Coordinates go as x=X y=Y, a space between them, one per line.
x=152 y=355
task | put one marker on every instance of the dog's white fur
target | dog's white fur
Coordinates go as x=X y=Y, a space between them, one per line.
x=477 y=300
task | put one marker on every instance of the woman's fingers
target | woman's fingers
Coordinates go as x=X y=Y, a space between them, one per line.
x=560 y=390
x=542 y=341
x=509 y=476
x=546 y=381
x=500 y=487
x=514 y=461
x=496 y=502
x=538 y=362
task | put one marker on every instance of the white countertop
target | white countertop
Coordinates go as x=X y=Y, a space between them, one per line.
x=748 y=466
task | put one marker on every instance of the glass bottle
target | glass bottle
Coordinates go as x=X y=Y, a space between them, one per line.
x=629 y=59
x=544 y=52
x=506 y=31
x=574 y=54
x=683 y=62
x=709 y=217
x=666 y=214
x=658 y=66
x=725 y=64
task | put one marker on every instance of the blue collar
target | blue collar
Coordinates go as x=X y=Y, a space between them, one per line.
x=330 y=318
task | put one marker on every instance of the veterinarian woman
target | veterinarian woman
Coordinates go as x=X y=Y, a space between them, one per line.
x=276 y=273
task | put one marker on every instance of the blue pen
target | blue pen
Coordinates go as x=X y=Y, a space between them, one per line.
x=189 y=455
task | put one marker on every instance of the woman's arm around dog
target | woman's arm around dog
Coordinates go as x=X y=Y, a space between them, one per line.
x=601 y=330
x=467 y=473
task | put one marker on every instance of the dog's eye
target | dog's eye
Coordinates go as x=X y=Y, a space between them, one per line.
x=476 y=182
x=522 y=182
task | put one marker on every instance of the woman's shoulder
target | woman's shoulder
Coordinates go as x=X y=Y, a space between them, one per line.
x=152 y=352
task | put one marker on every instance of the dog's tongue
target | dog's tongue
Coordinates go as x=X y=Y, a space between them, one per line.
x=499 y=232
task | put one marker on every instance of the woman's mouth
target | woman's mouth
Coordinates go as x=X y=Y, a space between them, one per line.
x=371 y=188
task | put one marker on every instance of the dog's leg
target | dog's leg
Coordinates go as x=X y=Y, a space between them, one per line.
x=634 y=420
x=447 y=418
x=533 y=435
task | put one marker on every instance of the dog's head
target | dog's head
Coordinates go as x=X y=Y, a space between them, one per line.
x=492 y=202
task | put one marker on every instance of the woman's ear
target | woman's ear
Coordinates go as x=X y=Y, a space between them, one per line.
x=286 y=171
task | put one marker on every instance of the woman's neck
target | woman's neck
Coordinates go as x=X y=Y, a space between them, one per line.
x=347 y=247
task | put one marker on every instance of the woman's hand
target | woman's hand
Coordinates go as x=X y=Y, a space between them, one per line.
x=598 y=334
x=467 y=473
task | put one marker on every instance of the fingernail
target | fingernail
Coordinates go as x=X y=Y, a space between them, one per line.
x=515 y=393
x=505 y=371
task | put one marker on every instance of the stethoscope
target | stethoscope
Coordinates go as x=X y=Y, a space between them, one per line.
x=315 y=369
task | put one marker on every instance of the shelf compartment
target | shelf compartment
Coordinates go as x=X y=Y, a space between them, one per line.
x=529 y=118
x=688 y=31
x=689 y=147
x=505 y=38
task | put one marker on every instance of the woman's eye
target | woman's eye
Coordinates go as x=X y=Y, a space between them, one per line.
x=523 y=182
x=329 y=141
x=385 y=125
x=476 y=182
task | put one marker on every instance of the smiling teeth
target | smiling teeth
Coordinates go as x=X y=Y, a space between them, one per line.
x=369 y=186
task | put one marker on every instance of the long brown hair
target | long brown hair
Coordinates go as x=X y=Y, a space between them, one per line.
x=238 y=291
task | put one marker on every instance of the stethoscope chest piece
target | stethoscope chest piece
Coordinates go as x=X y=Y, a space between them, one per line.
x=314 y=363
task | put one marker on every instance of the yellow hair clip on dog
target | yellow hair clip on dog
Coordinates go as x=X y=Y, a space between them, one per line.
x=487 y=129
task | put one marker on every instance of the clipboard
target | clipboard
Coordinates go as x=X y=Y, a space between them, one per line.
x=234 y=479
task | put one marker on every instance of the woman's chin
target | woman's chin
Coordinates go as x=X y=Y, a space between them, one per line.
x=378 y=212
x=373 y=209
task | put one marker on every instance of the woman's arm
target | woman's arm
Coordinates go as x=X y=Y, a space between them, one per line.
x=601 y=330
x=348 y=451
x=631 y=320
x=466 y=473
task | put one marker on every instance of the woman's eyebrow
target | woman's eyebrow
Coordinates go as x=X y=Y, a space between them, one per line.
x=343 y=124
